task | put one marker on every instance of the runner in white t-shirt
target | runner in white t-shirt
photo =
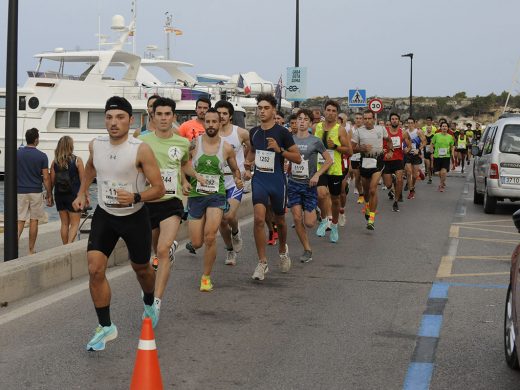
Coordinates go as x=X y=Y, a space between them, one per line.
x=238 y=138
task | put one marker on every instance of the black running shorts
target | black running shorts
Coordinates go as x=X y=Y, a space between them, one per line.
x=159 y=211
x=413 y=159
x=441 y=163
x=393 y=166
x=333 y=182
x=368 y=172
x=134 y=229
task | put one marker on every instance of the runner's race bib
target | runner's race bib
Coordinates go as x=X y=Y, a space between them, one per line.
x=396 y=142
x=211 y=186
x=264 y=161
x=428 y=148
x=321 y=160
x=109 y=194
x=461 y=145
x=369 y=163
x=356 y=157
x=443 y=151
x=300 y=171
x=169 y=178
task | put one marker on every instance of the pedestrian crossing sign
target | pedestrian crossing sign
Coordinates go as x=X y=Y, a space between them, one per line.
x=357 y=98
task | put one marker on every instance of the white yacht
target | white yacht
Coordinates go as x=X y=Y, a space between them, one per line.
x=58 y=103
x=61 y=104
x=211 y=86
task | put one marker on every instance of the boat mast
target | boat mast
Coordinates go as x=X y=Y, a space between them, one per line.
x=134 y=20
x=168 y=29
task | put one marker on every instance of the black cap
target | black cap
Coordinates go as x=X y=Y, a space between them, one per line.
x=118 y=103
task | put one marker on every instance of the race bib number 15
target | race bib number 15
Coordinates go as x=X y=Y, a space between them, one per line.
x=109 y=194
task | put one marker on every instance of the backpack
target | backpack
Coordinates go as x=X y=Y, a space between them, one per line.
x=63 y=180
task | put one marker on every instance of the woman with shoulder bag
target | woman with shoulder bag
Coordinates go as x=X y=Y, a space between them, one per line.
x=66 y=173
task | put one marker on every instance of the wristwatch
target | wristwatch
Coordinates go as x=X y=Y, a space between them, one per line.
x=282 y=150
x=137 y=197
x=335 y=147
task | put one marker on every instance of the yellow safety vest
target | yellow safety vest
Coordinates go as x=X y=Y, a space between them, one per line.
x=333 y=134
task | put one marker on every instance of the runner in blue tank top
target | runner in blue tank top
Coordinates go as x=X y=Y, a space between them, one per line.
x=270 y=145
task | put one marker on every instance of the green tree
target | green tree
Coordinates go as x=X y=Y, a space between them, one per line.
x=460 y=95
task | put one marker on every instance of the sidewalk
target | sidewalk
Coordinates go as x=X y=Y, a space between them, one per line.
x=48 y=237
x=55 y=263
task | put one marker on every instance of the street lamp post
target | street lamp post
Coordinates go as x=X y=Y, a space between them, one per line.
x=297 y=42
x=411 y=79
x=11 y=131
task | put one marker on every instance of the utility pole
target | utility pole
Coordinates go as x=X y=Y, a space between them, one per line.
x=411 y=79
x=11 y=131
x=297 y=42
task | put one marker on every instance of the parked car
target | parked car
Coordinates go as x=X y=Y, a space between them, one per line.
x=496 y=169
x=512 y=309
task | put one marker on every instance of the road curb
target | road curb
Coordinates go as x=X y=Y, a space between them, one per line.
x=29 y=275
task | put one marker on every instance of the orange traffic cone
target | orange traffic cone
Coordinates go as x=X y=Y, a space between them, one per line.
x=147 y=373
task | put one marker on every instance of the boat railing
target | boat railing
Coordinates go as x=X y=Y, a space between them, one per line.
x=143 y=92
x=52 y=75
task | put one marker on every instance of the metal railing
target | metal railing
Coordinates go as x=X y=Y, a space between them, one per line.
x=52 y=75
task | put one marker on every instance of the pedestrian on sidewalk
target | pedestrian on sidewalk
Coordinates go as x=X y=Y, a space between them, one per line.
x=33 y=171
x=66 y=174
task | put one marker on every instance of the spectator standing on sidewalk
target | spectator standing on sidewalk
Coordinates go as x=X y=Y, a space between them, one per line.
x=66 y=174
x=33 y=170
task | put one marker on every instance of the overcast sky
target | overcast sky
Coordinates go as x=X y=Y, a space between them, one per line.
x=459 y=45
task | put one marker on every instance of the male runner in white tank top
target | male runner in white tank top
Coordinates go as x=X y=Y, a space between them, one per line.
x=122 y=165
x=238 y=138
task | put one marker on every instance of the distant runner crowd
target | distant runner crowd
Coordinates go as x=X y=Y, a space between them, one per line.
x=151 y=181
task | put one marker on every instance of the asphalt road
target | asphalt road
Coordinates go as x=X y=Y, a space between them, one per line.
x=350 y=319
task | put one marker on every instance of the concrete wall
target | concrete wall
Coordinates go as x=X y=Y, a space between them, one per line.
x=30 y=275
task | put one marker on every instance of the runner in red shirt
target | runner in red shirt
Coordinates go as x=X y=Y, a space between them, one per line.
x=193 y=128
x=394 y=165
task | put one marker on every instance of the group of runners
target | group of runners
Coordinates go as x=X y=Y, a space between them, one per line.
x=304 y=169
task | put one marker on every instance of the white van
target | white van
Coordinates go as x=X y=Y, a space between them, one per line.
x=496 y=169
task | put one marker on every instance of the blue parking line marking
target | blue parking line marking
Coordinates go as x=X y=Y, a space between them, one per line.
x=418 y=376
x=439 y=290
x=501 y=286
x=430 y=325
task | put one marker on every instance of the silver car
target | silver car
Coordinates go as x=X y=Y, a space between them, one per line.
x=496 y=169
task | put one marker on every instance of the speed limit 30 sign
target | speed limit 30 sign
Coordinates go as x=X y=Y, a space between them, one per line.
x=375 y=105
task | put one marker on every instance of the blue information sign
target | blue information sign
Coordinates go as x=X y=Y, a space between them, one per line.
x=296 y=90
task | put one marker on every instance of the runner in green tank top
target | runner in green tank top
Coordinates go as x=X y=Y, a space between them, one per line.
x=171 y=153
x=443 y=144
x=337 y=142
x=207 y=199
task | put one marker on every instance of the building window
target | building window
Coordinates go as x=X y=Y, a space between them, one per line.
x=67 y=120
x=96 y=120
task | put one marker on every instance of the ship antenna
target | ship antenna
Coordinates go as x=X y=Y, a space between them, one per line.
x=134 y=22
x=168 y=29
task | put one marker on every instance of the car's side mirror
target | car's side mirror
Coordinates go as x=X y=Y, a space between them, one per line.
x=516 y=219
x=475 y=150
